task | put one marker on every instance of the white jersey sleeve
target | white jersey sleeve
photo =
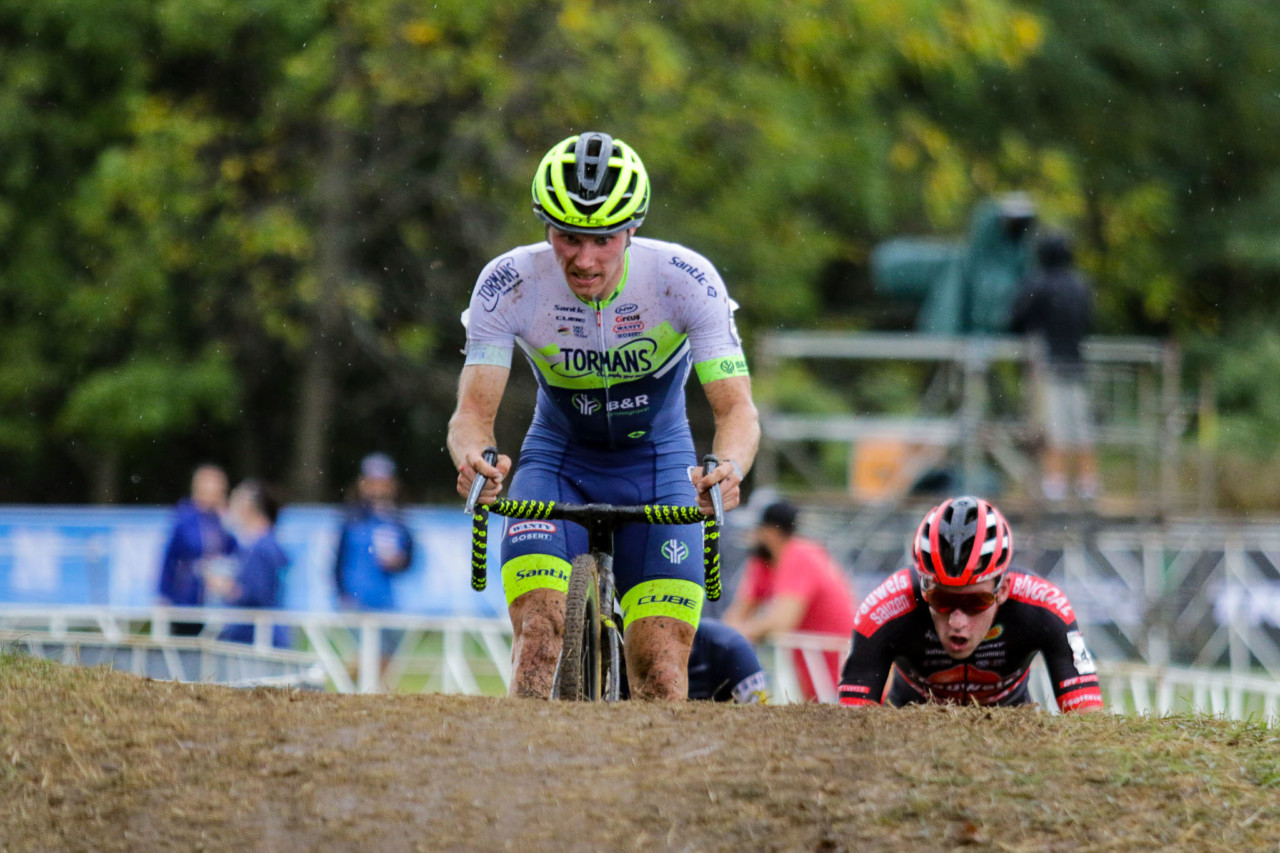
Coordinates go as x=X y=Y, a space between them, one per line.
x=491 y=321
x=706 y=313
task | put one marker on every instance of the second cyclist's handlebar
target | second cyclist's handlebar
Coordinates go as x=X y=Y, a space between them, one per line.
x=588 y=513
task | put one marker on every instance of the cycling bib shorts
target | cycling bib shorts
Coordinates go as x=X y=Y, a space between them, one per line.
x=657 y=567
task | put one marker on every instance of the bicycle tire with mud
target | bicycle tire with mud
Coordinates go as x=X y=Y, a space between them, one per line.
x=578 y=671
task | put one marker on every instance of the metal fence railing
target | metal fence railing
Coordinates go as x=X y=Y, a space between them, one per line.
x=369 y=653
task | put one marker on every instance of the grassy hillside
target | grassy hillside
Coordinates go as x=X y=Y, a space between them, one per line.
x=91 y=759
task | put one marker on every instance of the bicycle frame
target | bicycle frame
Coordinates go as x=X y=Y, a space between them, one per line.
x=600 y=521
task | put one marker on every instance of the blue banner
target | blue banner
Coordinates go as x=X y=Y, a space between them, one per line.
x=111 y=556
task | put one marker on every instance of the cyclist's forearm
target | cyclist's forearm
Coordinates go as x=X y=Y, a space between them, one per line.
x=737 y=422
x=471 y=427
x=468 y=434
x=738 y=436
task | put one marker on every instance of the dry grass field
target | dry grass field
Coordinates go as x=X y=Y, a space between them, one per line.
x=95 y=760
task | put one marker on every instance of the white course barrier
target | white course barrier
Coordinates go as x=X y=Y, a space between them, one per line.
x=371 y=652
x=350 y=652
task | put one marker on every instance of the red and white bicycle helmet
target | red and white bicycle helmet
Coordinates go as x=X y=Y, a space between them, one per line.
x=963 y=541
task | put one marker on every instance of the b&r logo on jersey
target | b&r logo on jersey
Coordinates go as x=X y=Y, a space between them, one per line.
x=522 y=531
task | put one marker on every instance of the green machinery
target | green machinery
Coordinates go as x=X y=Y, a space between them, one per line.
x=964 y=286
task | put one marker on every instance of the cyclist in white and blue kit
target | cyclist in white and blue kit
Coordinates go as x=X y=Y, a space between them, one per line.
x=612 y=326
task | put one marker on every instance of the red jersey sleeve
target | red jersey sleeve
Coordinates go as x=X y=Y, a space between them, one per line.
x=871 y=657
x=1071 y=667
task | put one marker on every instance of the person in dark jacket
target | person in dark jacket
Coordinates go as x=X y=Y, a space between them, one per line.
x=1055 y=306
x=198 y=539
x=260 y=564
x=374 y=544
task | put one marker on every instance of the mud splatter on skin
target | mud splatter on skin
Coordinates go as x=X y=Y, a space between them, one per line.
x=538 y=619
x=657 y=650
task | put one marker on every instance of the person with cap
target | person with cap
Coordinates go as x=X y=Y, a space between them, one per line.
x=792 y=584
x=374 y=544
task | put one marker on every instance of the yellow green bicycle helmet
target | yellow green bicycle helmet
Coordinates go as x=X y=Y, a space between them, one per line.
x=591 y=184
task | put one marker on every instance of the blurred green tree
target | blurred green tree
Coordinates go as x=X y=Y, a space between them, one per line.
x=270 y=215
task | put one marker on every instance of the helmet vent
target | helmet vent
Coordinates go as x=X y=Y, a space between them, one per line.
x=591 y=157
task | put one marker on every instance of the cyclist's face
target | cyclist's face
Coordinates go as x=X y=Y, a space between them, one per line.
x=592 y=265
x=961 y=632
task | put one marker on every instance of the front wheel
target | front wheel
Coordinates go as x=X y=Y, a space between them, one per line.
x=578 y=671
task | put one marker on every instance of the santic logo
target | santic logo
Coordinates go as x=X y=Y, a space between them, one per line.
x=531 y=527
x=586 y=405
x=675 y=551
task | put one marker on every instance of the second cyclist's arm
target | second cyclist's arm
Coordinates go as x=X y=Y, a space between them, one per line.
x=878 y=625
x=865 y=671
x=471 y=427
x=1072 y=671
x=1050 y=620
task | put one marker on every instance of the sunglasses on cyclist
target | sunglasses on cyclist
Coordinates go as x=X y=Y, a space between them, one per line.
x=943 y=601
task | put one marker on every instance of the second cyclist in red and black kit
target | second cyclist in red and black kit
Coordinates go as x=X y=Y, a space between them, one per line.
x=962 y=626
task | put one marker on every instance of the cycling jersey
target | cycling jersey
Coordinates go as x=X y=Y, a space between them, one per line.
x=893 y=629
x=723 y=667
x=609 y=373
x=610 y=424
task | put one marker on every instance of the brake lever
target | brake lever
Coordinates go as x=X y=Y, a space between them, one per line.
x=711 y=462
x=477 y=485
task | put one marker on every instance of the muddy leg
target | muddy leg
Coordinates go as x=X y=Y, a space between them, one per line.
x=537 y=620
x=657 y=650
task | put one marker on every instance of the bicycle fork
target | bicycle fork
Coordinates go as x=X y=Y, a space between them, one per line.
x=600 y=546
x=610 y=630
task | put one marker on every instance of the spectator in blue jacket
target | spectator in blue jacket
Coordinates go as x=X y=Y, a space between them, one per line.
x=260 y=565
x=198 y=538
x=374 y=544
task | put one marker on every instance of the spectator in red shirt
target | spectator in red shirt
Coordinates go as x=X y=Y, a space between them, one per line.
x=792 y=584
